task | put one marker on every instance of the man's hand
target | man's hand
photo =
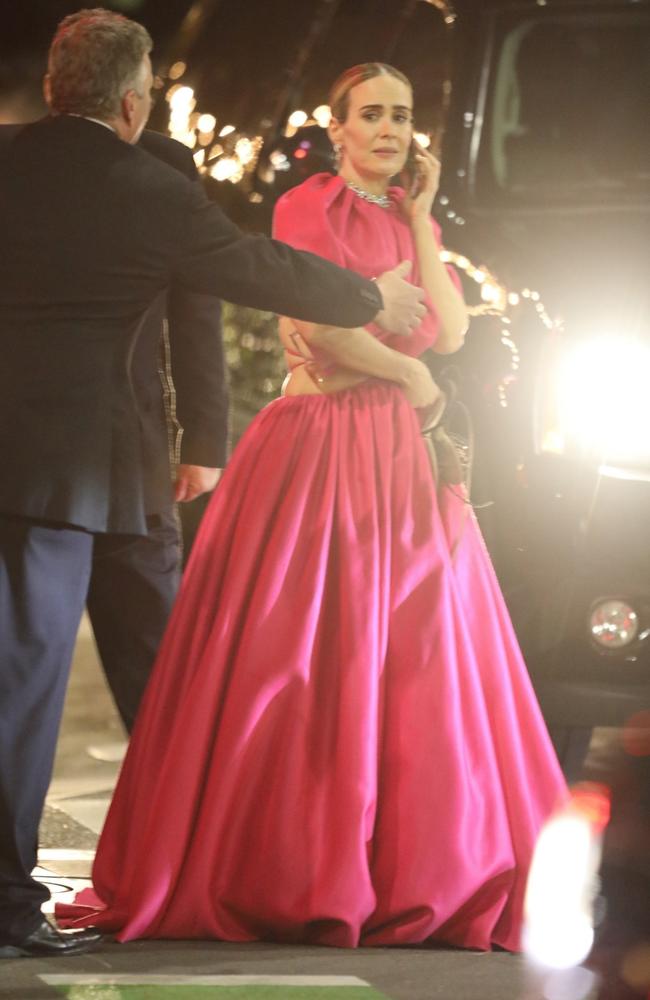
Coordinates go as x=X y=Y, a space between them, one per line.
x=193 y=480
x=403 y=302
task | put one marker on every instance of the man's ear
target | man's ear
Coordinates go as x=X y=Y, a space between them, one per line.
x=127 y=106
x=47 y=90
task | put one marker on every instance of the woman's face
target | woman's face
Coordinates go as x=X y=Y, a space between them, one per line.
x=376 y=135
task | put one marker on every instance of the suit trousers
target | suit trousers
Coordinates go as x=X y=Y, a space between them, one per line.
x=44 y=574
x=133 y=583
x=47 y=574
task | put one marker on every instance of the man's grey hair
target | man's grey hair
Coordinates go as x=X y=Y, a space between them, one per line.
x=95 y=57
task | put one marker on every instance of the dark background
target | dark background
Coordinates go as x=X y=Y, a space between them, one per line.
x=249 y=61
x=26 y=29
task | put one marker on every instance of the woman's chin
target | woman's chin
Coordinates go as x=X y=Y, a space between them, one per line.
x=368 y=181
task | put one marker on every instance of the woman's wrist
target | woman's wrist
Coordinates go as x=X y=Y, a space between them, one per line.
x=421 y=225
x=407 y=370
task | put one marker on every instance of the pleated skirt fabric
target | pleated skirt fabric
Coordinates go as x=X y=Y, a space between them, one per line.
x=340 y=743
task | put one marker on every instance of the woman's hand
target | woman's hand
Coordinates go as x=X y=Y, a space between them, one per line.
x=421 y=189
x=418 y=384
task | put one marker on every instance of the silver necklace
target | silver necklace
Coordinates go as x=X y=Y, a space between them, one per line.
x=383 y=200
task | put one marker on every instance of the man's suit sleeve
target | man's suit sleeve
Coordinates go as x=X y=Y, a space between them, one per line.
x=217 y=258
x=195 y=345
x=198 y=374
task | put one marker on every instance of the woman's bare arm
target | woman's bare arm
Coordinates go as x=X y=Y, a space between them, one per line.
x=435 y=277
x=358 y=351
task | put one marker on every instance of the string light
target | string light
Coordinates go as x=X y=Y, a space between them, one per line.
x=181 y=98
x=279 y=160
x=227 y=168
x=197 y=129
x=177 y=70
x=297 y=119
x=187 y=138
x=496 y=300
x=322 y=115
x=206 y=123
x=245 y=150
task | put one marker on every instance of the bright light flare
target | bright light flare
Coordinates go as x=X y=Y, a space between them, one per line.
x=297 y=119
x=177 y=70
x=279 y=160
x=492 y=294
x=562 y=884
x=245 y=150
x=322 y=115
x=188 y=138
x=227 y=169
x=603 y=398
x=182 y=99
x=206 y=123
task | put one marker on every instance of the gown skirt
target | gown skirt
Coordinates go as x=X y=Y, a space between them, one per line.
x=340 y=744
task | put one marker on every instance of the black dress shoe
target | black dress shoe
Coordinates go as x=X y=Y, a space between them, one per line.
x=48 y=942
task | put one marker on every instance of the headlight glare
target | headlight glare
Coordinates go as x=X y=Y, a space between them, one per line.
x=604 y=398
x=595 y=400
x=613 y=624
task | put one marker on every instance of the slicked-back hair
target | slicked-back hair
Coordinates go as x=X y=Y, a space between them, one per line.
x=95 y=57
x=339 y=99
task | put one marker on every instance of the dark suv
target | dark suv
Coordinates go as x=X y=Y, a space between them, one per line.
x=547 y=183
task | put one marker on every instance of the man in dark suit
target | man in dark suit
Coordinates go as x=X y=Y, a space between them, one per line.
x=93 y=230
x=134 y=579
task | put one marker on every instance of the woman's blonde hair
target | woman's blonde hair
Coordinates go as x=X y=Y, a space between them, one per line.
x=339 y=99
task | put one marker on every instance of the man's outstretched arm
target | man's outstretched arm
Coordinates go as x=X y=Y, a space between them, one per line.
x=217 y=258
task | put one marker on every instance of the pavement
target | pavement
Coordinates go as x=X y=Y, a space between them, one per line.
x=91 y=746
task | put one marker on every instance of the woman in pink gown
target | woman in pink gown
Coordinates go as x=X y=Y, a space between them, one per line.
x=339 y=744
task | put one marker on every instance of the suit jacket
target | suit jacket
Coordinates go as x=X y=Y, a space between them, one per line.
x=194 y=348
x=93 y=230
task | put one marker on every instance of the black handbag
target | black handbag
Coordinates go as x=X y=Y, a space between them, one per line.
x=447 y=431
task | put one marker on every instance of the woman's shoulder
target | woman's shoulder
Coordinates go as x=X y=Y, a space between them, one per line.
x=306 y=206
x=320 y=187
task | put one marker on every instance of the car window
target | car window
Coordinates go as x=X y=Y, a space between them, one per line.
x=567 y=109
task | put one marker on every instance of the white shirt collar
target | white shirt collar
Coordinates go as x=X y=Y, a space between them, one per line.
x=97 y=121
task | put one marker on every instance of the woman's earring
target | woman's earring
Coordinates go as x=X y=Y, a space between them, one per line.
x=337 y=155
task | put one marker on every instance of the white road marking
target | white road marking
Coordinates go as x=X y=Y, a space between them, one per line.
x=64 y=854
x=130 y=979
